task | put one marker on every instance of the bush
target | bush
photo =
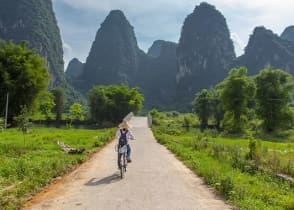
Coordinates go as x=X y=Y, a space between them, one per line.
x=211 y=133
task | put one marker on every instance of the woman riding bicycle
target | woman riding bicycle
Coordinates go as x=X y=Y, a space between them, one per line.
x=123 y=135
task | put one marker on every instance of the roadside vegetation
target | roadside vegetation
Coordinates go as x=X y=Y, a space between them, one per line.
x=240 y=140
x=26 y=168
x=244 y=170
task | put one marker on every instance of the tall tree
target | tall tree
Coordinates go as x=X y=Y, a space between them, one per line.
x=236 y=90
x=23 y=74
x=273 y=96
x=202 y=107
x=75 y=112
x=46 y=103
x=23 y=122
x=217 y=110
x=59 y=103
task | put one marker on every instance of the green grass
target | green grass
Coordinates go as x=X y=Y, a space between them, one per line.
x=245 y=177
x=27 y=166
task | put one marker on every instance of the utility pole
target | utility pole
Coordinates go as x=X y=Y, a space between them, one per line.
x=6 y=110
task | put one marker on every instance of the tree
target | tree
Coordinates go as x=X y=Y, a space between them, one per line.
x=1 y=124
x=75 y=112
x=236 y=90
x=202 y=107
x=217 y=110
x=23 y=122
x=273 y=96
x=98 y=104
x=58 y=94
x=46 y=103
x=112 y=103
x=23 y=74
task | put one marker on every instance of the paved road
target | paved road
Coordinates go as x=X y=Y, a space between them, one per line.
x=155 y=180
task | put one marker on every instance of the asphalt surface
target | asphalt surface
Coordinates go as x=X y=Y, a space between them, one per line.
x=155 y=180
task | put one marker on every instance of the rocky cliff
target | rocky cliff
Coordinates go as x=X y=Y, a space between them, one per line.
x=288 y=33
x=74 y=68
x=157 y=75
x=205 y=50
x=114 y=55
x=35 y=21
x=266 y=49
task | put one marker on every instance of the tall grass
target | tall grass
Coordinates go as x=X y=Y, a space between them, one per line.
x=242 y=170
x=26 y=168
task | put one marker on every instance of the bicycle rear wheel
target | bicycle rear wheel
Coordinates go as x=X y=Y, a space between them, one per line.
x=122 y=171
x=122 y=166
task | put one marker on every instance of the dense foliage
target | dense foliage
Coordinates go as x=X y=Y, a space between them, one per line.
x=245 y=104
x=45 y=104
x=23 y=74
x=202 y=106
x=76 y=111
x=58 y=94
x=273 y=96
x=236 y=91
x=112 y=103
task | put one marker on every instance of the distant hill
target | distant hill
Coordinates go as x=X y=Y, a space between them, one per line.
x=156 y=48
x=288 y=33
x=170 y=74
x=205 y=50
x=157 y=75
x=115 y=58
x=74 y=68
x=266 y=49
x=114 y=55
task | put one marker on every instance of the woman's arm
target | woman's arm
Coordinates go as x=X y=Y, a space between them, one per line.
x=117 y=135
x=131 y=135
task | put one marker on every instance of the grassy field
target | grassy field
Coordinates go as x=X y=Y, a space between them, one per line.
x=28 y=165
x=241 y=169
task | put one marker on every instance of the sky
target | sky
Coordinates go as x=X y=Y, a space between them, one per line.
x=79 y=20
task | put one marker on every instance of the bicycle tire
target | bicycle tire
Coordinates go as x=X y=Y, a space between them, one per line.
x=125 y=162
x=122 y=168
x=121 y=172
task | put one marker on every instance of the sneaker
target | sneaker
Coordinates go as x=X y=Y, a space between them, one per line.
x=129 y=160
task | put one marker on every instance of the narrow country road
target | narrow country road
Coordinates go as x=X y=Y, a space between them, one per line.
x=154 y=180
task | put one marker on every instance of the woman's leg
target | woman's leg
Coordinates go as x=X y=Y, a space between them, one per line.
x=118 y=159
x=128 y=152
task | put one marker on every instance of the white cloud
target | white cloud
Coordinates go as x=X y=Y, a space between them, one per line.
x=238 y=44
x=67 y=53
x=127 y=5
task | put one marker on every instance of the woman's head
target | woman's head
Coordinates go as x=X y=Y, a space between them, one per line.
x=124 y=125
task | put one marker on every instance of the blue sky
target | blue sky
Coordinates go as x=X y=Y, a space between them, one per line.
x=79 y=20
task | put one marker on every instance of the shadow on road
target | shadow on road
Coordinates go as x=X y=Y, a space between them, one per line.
x=107 y=180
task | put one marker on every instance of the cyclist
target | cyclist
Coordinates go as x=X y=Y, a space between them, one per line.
x=123 y=135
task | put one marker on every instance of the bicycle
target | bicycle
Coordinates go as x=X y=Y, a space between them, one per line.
x=122 y=160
